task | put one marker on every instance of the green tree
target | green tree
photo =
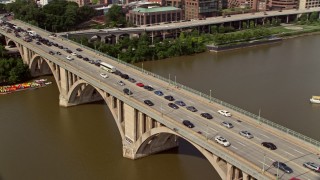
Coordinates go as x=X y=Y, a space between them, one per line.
x=314 y=16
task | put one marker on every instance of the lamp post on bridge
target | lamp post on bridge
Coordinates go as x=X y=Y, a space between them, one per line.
x=264 y=159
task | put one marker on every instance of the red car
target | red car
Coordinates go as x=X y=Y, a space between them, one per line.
x=140 y=84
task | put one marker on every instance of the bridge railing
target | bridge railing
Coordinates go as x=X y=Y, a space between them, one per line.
x=203 y=95
x=212 y=99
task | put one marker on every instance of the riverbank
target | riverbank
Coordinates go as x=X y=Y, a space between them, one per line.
x=286 y=31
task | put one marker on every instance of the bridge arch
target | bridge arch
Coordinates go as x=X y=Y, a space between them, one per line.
x=41 y=66
x=95 y=38
x=147 y=140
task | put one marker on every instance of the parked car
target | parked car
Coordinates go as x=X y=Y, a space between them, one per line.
x=127 y=91
x=121 y=83
x=140 y=84
x=206 y=115
x=79 y=56
x=159 y=93
x=180 y=103
x=192 y=109
x=187 y=123
x=173 y=106
x=221 y=140
x=104 y=75
x=227 y=124
x=313 y=166
x=86 y=59
x=59 y=53
x=224 y=113
x=78 y=49
x=269 y=145
x=148 y=102
x=246 y=134
x=149 y=88
x=282 y=166
x=169 y=98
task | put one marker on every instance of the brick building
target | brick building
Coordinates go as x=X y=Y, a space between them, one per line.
x=195 y=9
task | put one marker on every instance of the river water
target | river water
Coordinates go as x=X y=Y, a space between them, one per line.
x=40 y=140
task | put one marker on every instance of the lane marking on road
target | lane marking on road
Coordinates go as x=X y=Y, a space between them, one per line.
x=264 y=135
x=263 y=163
x=270 y=159
x=213 y=129
x=234 y=147
x=258 y=138
x=297 y=150
x=287 y=152
x=241 y=143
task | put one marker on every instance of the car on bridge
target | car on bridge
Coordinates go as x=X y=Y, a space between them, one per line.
x=221 y=140
x=269 y=145
x=282 y=166
x=159 y=93
x=51 y=52
x=148 y=102
x=206 y=115
x=173 y=106
x=227 y=124
x=169 y=98
x=125 y=76
x=149 y=88
x=192 y=109
x=140 y=84
x=104 y=75
x=224 y=113
x=313 y=166
x=127 y=91
x=73 y=54
x=180 y=103
x=130 y=79
x=121 y=83
x=59 y=53
x=78 y=49
x=69 y=58
x=188 y=123
x=246 y=134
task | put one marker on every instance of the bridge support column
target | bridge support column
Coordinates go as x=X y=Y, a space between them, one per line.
x=229 y=171
x=236 y=173
x=245 y=176
x=63 y=97
x=287 y=19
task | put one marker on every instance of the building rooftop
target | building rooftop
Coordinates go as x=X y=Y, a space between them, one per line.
x=155 y=9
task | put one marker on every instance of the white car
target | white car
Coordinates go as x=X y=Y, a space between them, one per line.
x=227 y=124
x=224 y=113
x=121 y=83
x=221 y=140
x=246 y=134
x=313 y=166
x=104 y=75
x=73 y=54
x=69 y=58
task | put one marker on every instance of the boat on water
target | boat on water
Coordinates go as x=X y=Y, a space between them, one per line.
x=23 y=86
x=315 y=99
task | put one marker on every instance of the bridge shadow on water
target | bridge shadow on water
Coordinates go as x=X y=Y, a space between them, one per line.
x=185 y=148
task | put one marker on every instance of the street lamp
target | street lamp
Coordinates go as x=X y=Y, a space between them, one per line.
x=264 y=159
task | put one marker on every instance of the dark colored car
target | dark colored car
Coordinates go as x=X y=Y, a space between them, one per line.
x=86 y=59
x=206 y=115
x=282 y=166
x=59 y=53
x=173 y=106
x=192 y=109
x=149 y=88
x=131 y=80
x=159 y=93
x=148 y=102
x=127 y=91
x=38 y=43
x=50 y=52
x=61 y=47
x=188 y=123
x=78 y=49
x=117 y=73
x=125 y=76
x=269 y=145
x=79 y=56
x=169 y=98
x=68 y=51
x=180 y=103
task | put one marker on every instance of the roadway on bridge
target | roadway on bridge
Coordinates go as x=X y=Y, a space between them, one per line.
x=294 y=155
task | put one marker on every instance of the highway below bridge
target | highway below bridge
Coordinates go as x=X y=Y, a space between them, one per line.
x=146 y=130
x=165 y=30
